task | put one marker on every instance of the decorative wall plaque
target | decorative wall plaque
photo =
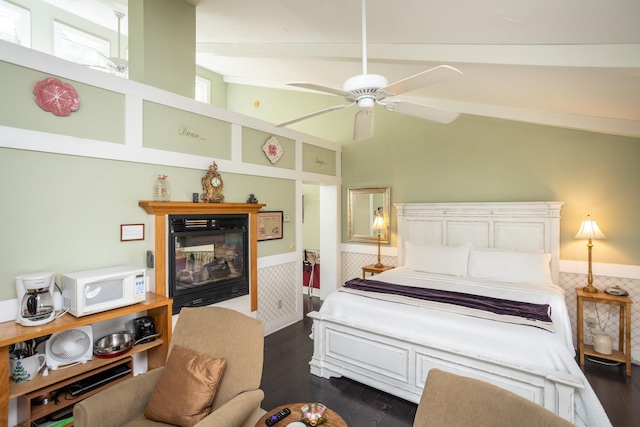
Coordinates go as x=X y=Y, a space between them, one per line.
x=55 y=96
x=273 y=150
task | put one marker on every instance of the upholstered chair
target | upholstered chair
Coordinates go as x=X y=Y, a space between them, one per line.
x=217 y=333
x=450 y=400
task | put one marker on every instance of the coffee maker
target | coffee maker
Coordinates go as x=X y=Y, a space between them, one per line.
x=35 y=298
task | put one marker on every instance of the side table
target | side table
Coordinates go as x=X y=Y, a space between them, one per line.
x=333 y=419
x=372 y=269
x=623 y=354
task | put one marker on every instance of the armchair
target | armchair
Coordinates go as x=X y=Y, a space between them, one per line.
x=214 y=331
x=450 y=400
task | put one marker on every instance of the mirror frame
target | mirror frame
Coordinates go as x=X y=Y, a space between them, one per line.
x=351 y=214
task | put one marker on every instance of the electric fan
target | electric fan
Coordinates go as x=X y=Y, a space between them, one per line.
x=69 y=347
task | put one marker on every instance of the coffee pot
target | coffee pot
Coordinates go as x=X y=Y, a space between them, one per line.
x=35 y=298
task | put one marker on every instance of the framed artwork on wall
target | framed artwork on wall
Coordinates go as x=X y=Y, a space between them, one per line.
x=270 y=225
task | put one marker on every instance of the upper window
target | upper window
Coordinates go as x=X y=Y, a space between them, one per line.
x=80 y=47
x=15 y=24
x=203 y=90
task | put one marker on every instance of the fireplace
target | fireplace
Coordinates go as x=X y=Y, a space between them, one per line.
x=207 y=258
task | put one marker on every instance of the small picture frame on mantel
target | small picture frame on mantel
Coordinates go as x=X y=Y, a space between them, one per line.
x=270 y=225
x=130 y=232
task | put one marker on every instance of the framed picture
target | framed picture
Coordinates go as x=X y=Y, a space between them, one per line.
x=270 y=225
x=130 y=232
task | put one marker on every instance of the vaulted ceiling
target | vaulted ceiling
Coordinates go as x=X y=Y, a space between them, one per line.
x=570 y=63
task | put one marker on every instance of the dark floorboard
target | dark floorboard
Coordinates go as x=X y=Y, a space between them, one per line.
x=286 y=379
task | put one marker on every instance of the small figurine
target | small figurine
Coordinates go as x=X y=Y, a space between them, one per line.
x=252 y=199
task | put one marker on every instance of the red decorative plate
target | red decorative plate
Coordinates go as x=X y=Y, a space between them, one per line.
x=55 y=96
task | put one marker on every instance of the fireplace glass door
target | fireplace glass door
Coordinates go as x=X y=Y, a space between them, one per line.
x=207 y=259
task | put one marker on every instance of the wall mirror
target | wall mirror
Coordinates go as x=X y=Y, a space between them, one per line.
x=362 y=205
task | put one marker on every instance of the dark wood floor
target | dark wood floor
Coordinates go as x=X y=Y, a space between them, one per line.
x=286 y=379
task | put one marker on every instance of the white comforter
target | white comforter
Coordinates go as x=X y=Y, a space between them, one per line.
x=490 y=339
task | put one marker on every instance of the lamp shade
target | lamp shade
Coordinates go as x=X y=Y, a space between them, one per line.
x=378 y=223
x=589 y=230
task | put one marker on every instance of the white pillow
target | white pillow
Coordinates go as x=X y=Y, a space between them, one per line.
x=451 y=260
x=510 y=266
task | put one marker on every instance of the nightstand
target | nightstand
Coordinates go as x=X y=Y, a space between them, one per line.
x=623 y=354
x=372 y=269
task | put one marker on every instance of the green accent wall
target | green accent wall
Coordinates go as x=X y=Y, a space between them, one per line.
x=172 y=129
x=162 y=44
x=252 y=142
x=97 y=106
x=318 y=160
x=476 y=159
x=63 y=213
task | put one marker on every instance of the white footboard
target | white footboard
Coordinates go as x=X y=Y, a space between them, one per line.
x=400 y=366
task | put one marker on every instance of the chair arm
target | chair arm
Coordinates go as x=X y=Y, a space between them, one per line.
x=241 y=411
x=118 y=404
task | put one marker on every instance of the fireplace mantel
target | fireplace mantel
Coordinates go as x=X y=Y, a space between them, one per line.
x=161 y=209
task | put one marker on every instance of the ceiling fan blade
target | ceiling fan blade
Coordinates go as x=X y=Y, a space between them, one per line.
x=321 y=88
x=425 y=78
x=363 y=124
x=422 y=111
x=317 y=113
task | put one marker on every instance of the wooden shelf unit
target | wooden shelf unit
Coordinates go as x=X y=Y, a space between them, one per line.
x=623 y=354
x=157 y=307
x=31 y=412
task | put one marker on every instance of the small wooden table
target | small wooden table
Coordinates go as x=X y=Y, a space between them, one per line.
x=372 y=269
x=333 y=419
x=623 y=354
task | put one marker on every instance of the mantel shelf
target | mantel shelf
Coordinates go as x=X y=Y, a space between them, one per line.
x=167 y=208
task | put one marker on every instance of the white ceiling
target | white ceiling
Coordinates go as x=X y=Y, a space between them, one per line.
x=571 y=63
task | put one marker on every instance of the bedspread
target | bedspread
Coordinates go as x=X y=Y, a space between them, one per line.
x=489 y=339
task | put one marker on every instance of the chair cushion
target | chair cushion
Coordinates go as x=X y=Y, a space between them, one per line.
x=186 y=389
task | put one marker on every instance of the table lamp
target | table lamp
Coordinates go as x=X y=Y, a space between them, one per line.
x=378 y=225
x=589 y=230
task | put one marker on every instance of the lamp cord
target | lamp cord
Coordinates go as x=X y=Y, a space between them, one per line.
x=602 y=328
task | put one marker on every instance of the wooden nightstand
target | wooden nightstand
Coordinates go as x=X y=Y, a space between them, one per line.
x=372 y=269
x=623 y=354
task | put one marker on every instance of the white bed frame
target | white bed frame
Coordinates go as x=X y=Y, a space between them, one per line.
x=399 y=365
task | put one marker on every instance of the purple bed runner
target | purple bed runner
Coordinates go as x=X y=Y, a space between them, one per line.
x=532 y=314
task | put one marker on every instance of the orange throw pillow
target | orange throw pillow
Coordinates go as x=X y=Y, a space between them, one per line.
x=186 y=388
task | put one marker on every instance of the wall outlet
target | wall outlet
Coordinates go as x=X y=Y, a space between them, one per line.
x=279 y=304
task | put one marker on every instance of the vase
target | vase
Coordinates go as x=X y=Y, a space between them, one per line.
x=161 y=189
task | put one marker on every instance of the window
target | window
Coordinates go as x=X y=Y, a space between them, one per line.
x=203 y=90
x=15 y=24
x=80 y=47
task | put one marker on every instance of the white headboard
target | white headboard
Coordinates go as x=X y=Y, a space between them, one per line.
x=525 y=226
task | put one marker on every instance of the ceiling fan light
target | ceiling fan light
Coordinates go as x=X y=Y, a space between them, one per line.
x=366 y=104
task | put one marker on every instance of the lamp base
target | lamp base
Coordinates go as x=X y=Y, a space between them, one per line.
x=590 y=288
x=380 y=265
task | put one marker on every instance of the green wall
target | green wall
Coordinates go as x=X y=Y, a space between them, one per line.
x=63 y=213
x=477 y=159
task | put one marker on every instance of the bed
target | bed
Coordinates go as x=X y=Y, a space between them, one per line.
x=506 y=252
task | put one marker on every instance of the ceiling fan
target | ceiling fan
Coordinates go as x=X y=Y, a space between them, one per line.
x=365 y=90
x=115 y=64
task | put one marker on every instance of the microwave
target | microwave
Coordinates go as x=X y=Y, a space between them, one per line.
x=92 y=291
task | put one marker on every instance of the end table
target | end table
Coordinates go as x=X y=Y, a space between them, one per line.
x=623 y=354
x=333 y=419
x=372 y=269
